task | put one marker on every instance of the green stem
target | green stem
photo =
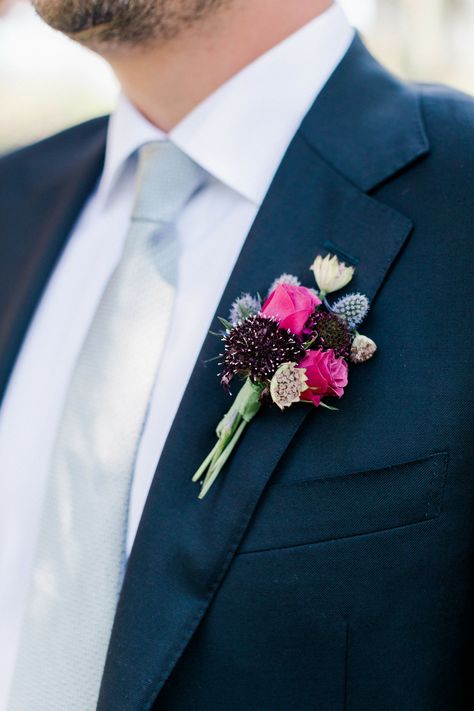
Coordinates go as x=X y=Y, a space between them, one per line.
x=229 y=430
x=224 y=439
x=206 y=462
x=215 y=469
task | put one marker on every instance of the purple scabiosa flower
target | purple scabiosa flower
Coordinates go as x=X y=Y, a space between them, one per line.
x=256 y=348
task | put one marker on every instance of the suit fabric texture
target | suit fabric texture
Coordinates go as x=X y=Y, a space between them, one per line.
x=330 y=567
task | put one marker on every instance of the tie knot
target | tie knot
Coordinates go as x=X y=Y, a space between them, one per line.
x=166 y=180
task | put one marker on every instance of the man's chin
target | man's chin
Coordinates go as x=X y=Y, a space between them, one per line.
x=103 y=24
x=73 y=17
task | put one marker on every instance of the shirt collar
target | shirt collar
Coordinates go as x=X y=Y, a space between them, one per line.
x=240 y=133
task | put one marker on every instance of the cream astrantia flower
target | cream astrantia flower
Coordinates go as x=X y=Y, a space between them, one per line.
x=331 y=274
x=287 y=385
x=363 y=348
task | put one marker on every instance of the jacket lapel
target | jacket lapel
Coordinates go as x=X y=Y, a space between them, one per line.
x=32 y=239
x=184 y=546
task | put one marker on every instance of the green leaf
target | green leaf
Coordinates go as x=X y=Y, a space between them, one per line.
x=249 y=400
x=328 y=407
x=227 y=324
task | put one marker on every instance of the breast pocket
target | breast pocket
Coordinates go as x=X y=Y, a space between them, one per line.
x=360 y=503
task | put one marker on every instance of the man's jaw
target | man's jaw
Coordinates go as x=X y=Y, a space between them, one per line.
x=90 y=32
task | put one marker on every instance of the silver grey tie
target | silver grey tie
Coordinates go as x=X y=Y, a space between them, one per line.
x=81 y=553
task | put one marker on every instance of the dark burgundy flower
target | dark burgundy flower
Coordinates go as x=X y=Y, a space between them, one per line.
x=329 y=332
x=256 y=348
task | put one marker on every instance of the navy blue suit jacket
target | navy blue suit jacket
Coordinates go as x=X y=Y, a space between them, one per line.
x=330 y=568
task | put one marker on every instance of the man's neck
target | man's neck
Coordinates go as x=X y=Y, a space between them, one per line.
x=166 y=82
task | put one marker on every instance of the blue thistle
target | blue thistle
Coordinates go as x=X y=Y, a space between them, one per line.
x=284 y=279
x=244 y=306
x=353 y=308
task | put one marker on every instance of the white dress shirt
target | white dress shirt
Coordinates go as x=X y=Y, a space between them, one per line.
x=239 y=135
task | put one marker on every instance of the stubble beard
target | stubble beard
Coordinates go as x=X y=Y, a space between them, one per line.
x=109 y=24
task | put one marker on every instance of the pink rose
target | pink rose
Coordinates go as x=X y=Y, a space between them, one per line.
x=291 y=306
x=326 y=372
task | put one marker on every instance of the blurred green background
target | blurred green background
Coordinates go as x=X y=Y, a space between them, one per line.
x=47 y=82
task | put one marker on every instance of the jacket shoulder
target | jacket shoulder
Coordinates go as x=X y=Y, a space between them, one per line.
x=61 y=148
x=439 y=98
x=449 y=119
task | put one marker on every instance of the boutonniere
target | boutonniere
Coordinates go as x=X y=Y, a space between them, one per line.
x=295 y=348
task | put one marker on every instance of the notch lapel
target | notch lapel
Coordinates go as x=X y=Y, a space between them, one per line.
x=38 y=208
x=184 y=546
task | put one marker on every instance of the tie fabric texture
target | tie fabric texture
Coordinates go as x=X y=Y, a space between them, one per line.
x=80 y=560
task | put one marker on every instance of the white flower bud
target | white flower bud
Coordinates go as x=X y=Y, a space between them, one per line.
x=363 y=348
